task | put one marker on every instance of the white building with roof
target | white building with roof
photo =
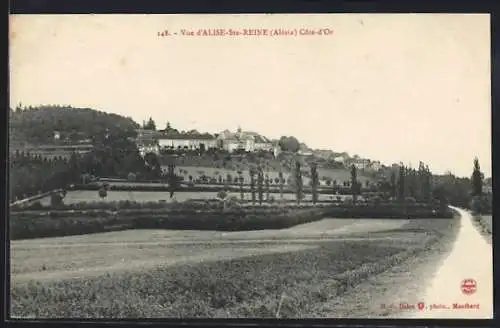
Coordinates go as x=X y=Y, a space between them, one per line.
x=186 y=141
x=244 y=140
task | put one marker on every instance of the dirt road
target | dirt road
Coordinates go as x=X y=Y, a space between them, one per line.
x=470 y=258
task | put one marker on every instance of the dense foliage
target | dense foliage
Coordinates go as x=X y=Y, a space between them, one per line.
x=37 y=125
x=114 y=156
x=30 y=175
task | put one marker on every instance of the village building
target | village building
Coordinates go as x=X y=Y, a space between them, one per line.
x=375 y=166
x=233 y=141
x=243 y=141
x=178 y=141
x=341 y=158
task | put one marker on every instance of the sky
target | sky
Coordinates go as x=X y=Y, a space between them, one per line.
x=389 y=87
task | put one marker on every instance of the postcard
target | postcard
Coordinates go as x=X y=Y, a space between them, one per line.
x=250 y=166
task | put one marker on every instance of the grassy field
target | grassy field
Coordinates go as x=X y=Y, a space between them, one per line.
x=484 y=223
x=488 y=221
x=229 y=281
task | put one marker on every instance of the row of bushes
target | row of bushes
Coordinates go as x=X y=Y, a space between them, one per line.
x=23 y=225
x=207 y=204
x=61 y=223
x=482 y=205
x=388 y=212
x=165 y=211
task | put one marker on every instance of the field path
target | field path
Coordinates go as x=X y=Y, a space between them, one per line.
x=471 y=257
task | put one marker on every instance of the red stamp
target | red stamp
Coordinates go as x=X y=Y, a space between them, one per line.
x=468 y=286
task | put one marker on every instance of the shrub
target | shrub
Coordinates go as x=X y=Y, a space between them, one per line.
x=410 y=200
x=348 y=201
x=480 y=205
x=222 y=194
x=103 y=192
x=36 y=206
x=56 y=200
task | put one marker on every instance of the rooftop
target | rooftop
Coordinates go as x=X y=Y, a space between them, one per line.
x=188 y=136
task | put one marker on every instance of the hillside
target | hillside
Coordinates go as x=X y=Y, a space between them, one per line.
x=36 y=125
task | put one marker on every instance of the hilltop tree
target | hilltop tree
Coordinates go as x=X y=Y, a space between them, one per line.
x=298 y=182
x=149 y=125
x=477 y=179
x=290 y=144
x=314 y=182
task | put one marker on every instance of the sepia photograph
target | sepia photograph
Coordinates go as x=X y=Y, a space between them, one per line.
x=283 y=166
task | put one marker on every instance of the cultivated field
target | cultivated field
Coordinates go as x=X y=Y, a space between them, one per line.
x=159 y=273
x=335 y=174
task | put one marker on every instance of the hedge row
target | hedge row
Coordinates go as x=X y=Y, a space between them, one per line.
x=23 y=226
x=62 y=223
x=127 y=206
x=207 y=204
x=388 y=212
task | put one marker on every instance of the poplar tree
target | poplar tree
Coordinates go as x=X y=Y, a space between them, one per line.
x=354 y=183
x=260 y=185
x=252 y=184
x=314 y=182
x=477 y=179
x=298 y=182
x=401 y=183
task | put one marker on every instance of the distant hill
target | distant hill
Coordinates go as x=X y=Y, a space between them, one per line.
x=37 y=125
